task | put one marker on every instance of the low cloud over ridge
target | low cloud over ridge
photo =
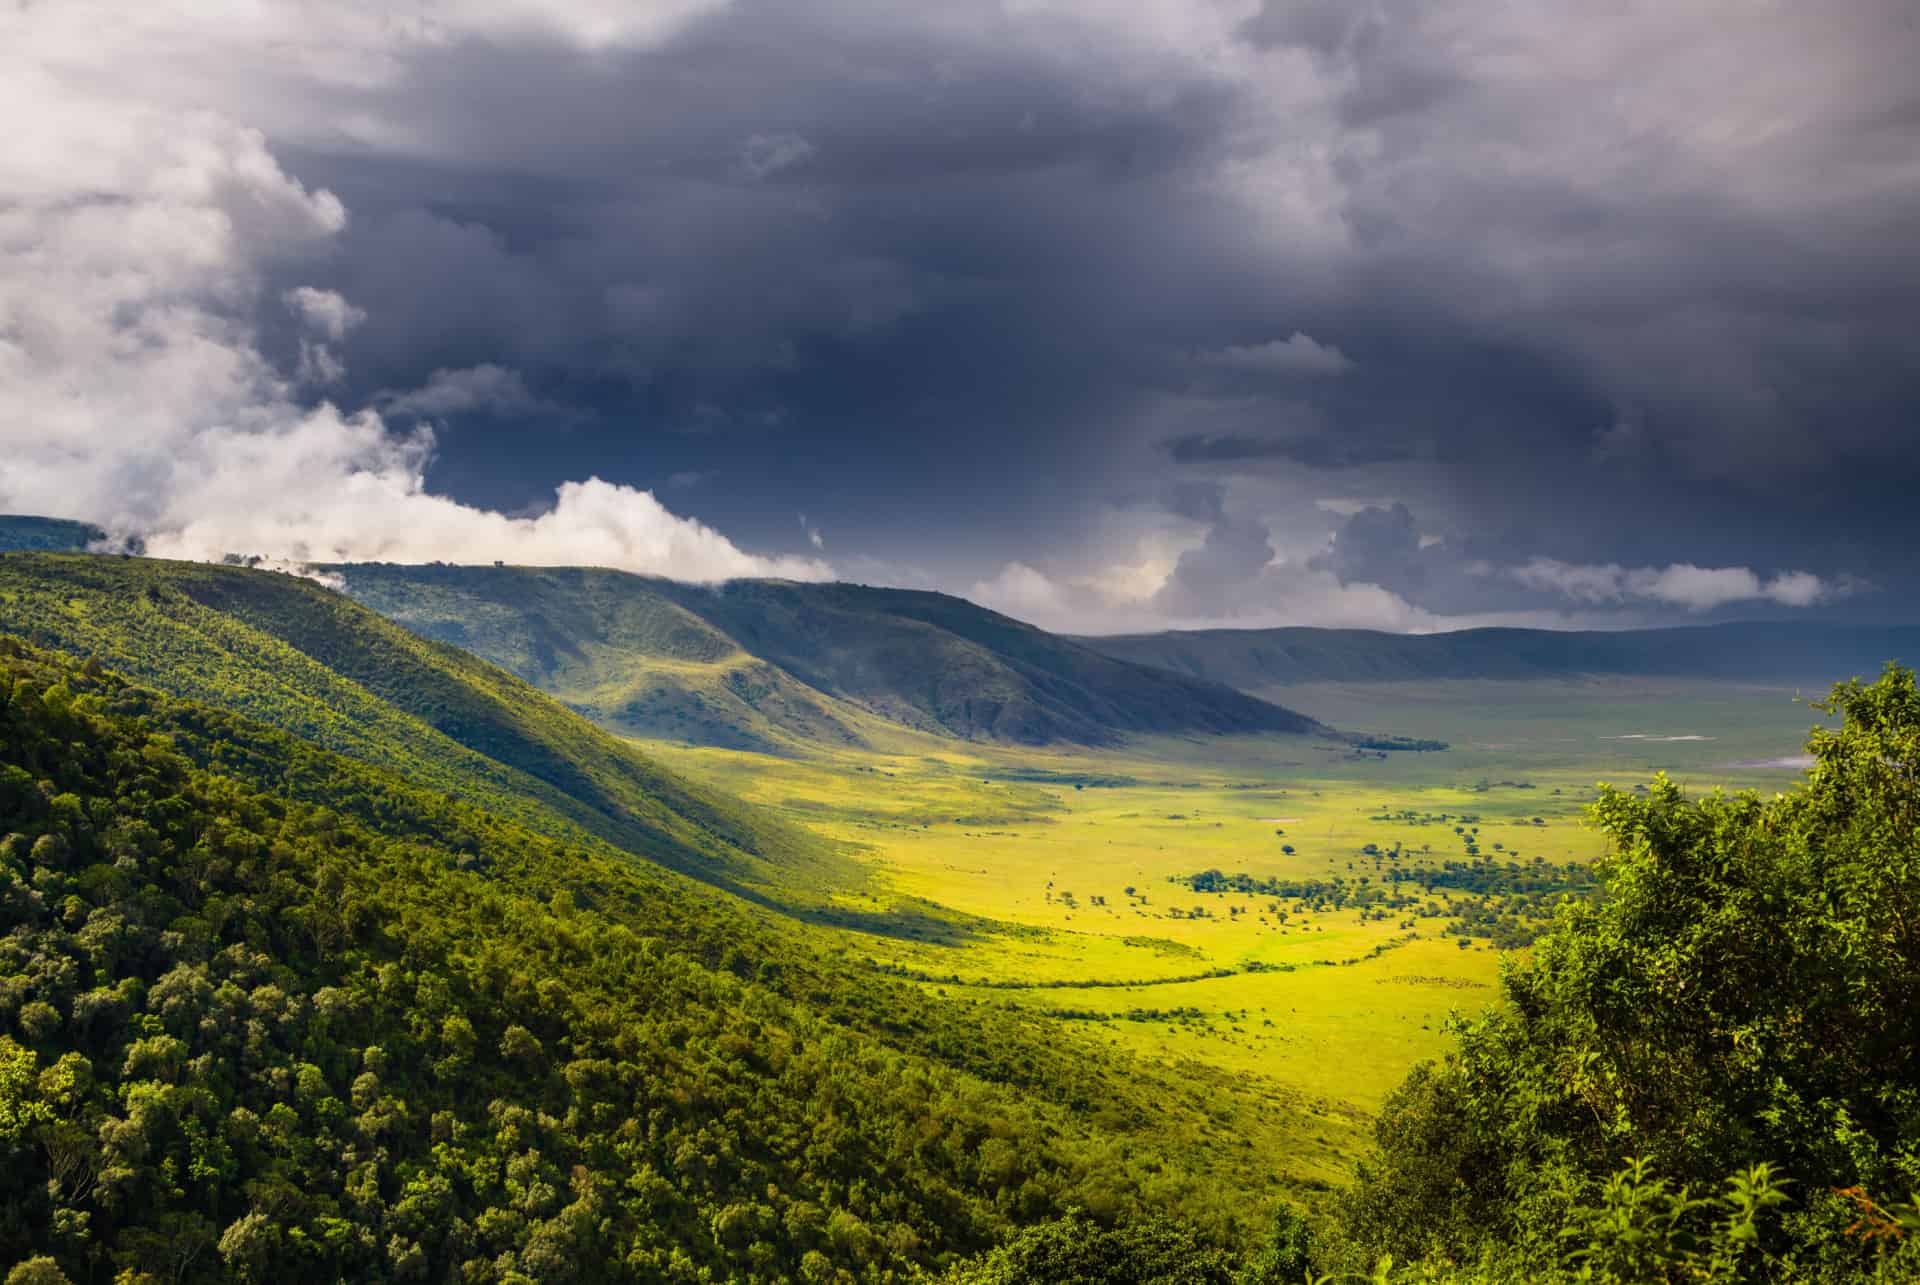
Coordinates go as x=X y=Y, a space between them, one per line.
x=1680 y=584
x=1236 y=569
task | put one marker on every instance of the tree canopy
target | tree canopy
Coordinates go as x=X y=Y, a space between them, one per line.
x=345 y=1028
x=1746 y=991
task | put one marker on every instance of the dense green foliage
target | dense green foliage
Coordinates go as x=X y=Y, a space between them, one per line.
x=254 y=1036
x=288 y=652
x=1746 y=992
x=1148 y=1251
x=330 y=952
x=1507 y=902
x=1639 y=1229
x=668 y=659
x=21 y=532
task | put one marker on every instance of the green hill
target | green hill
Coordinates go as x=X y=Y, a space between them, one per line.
x=268 y=1012
x=331 y=953
x=764 y=662
x=1258 y=660
x=293 y=654
x=22 y=532
x=615 y=648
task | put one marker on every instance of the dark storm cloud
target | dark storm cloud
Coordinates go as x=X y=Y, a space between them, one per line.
x=1312 y=452
x=1196 y=501
x=863 y=253
x=1725 y=275
x=1628 y=287
x=1379 y=546
x=1233 y=554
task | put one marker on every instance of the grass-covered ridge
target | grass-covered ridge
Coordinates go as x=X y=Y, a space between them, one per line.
x=291 y=653
x=613 y=647
x=759 y=663
x=1269 y=661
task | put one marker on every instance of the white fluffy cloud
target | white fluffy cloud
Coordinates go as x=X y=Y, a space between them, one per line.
x=1298 y=354
x=1681 y=584
x=1292 y=593
x=1226 y=563
x=133 y=248
x=1284 y=594
x=381 y=514
x=1024 y=593
x=486 y=387
x=325 y=311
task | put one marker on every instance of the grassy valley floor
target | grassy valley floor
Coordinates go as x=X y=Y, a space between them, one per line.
x=1053 y=881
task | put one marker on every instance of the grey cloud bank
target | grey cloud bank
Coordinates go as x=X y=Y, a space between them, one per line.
x=1080 y=306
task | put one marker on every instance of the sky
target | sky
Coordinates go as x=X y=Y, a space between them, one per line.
x=1114 y=315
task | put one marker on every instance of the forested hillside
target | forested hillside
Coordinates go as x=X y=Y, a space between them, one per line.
x=18 y=531
x=352 y=1028
x=291 y=653
x=330 y=952
x=757 y=662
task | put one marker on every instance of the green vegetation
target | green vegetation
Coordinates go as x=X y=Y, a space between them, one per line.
x=20 y=532
x=616 y=648
x=1076 y=1248
x=1744 y=994
x=1313 y=1015
x=1507 y=902
x=1457 y=1189
x=1412 y=744
x=763 y=664
x=290 y=653
x=330 y=952
x=392 y=1034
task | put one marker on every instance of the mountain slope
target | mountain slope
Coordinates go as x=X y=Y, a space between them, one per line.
x=774 y=659
x=270 y=1013
x=613 y=647
x=295 y=655
x=1258 y=660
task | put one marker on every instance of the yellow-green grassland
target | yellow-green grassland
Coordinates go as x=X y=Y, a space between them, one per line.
x=1058 y=880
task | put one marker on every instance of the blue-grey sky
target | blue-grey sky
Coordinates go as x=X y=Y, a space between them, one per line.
x=1113 y=314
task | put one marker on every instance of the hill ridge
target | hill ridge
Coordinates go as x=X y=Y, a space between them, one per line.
x=294 y=654
x=815 y=662
x=1260 y=660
